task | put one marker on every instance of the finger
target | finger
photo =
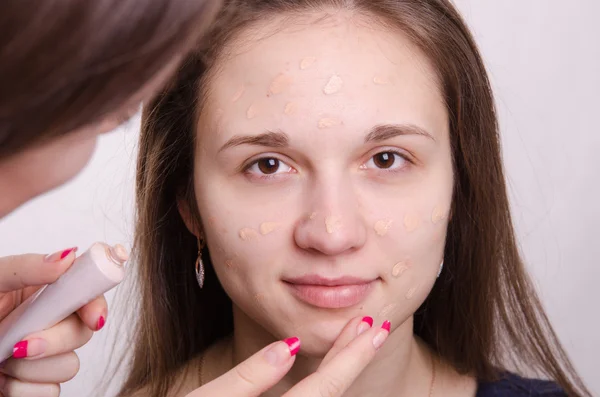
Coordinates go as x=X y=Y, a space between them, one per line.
x=256 y=375
x=94 y=313
x=333 y=379
x=54 y=369
x=355 y=327
x=10 y=387
x=20 y=271
x=64 y=337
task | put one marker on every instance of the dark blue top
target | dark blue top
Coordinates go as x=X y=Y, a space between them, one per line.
x=511 y=385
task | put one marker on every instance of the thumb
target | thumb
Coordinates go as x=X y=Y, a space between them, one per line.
x=20 y=271
x=256 y=375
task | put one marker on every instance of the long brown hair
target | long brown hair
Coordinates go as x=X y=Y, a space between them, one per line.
x=482 y=316
x=69 y=63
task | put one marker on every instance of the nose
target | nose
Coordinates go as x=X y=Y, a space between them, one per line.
x=333 y=224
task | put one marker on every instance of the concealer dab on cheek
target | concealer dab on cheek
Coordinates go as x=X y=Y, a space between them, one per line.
x=328 y=122
x=229 y=264
x=279 y=84
x=399 y=269
x=238 y=94
x=382 y=226
x=412 y=221
x=218 y=117
x=380 y=80
x=252 y=112
x=247 y=234
x=334 y=85
x=307 y=62
x=387 y=310
x=411 y=292
x=290 y=108
x=260 y=298
x=332 y=224
x=438 y=214
x=268 y=227
x=312 y=216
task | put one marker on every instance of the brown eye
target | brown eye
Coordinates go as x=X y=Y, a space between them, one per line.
x=384 y=159
x=268 y=165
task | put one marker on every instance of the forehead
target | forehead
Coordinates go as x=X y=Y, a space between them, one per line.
x=341 y=66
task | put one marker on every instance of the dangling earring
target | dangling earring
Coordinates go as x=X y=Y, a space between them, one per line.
x=440 y=271
x=199 y=264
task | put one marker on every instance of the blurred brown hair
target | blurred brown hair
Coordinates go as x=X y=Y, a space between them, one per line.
x=68 y=63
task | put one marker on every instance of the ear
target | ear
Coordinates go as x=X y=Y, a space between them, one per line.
x=185 y=212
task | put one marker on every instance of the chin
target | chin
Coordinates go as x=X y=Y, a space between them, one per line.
x=319 y=336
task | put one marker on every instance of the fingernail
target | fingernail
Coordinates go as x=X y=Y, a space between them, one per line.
x=294 y=344
x=55 y=257
x=365 y=324
x=100 y=323
x=386 y=325
x=30 y=348
x=278 y=354
x=381 y=335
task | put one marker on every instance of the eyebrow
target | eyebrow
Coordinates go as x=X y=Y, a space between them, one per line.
x=383 y=132
x=279 y=139
x=276 y=139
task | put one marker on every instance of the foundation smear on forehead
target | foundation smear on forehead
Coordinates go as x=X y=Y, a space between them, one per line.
x=380 y=80
x=268 y=227
x=334 y=85
x=290 y=108
x=252 y=112
x=332 y=224
x=411 y=292
x=307 y=62
x=438 y=214
x=328 y=122
x=382 y=226
x=279 y=84
x=412 y=221
x=399 y=269
x=247 y=234
x=238 y=94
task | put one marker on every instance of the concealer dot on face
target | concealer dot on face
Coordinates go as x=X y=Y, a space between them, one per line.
x=259 y=298
x=218 y=119
x=438 y=214
x=268 y=227
x=248 y=234
x=307 y=62
x=332 y=224
x=411 y=292
x=399 y=268
x=280 y=84
x=290 y=108
x=387 y=310
x=382 y=226
x=238 y=94
x=334 y=85
x=329 y=122
x=229 y=264
x=411 y=221
x=251 y=112
x=312 y=216
x=380 y=80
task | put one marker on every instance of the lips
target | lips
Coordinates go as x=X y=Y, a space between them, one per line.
x=330 y=293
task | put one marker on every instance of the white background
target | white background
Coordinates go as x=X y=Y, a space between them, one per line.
x=544 y=62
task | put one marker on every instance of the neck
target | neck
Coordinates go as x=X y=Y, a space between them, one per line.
x=401 y=368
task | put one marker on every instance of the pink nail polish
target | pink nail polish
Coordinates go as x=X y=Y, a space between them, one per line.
x=57 y=256
x=20 y=349
x=100 y=323
x=386 y=325
x=368 y=320
x=294 y=344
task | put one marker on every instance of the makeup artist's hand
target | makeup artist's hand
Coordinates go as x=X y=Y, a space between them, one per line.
x=44 y=360
x=347 y=358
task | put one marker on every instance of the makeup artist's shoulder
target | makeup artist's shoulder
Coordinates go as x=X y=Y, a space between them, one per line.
x=511 y=385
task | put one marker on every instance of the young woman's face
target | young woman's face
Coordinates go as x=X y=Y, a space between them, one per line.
x=323 y=177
